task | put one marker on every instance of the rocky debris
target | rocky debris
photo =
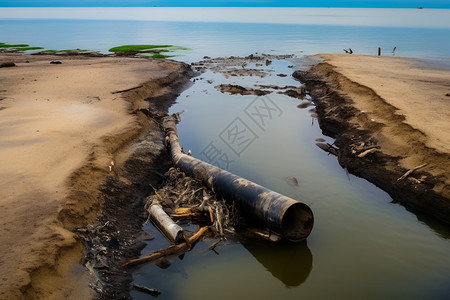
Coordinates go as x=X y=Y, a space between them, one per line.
x=237 y=89
x=239 y=66
x=74 y=52
x=118 y=234
x=295 y=92
x=183 y=193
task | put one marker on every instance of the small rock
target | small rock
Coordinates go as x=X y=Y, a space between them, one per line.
x=55 y=62
x=101 y=263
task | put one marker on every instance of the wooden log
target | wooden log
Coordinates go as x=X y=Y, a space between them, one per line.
x=150 y=291
x=364 y=153
x=410 y=171
x=171 y=230
x=196 y=212
x=167 y=251
x=193 y=215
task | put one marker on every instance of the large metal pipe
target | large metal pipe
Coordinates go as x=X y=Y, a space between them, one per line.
x=292 y=219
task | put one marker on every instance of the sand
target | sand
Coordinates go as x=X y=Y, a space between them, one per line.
x=56 y=119
x=418 y=91
x=401 y=106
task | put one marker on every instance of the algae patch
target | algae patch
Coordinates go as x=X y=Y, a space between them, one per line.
x=17 y=47
x=155 y=50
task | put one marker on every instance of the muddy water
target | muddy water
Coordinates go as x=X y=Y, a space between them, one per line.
x=362 y=246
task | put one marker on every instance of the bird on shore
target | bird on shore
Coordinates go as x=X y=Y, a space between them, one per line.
x=349 y=51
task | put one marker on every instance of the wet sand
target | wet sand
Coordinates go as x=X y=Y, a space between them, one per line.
x=399 y=105
x=63 y=129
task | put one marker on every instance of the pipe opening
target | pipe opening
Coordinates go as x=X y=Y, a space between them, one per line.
x=297 y=222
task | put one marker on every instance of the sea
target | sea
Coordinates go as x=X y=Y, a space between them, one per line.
x=363 y=245
x=233 y=31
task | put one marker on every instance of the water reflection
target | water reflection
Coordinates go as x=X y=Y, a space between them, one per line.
x=289 y=263
x=440 y=228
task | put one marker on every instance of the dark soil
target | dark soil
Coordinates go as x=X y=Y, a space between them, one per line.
x=119 y=236
x=334 y=111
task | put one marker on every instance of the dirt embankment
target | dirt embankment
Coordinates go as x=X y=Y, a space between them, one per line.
x=73 y=134
x=397 y=113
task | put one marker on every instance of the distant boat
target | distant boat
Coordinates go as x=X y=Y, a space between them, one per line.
x=420 y=7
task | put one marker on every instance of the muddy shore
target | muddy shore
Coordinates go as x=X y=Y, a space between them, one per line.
x=396 y=110
x=81 y=214
x=79 y=148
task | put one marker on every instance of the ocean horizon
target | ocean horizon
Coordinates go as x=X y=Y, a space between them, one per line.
x=234 y=31
x=383 y=17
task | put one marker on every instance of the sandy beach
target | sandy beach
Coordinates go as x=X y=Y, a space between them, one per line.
x=398 y=105
x=64 y=127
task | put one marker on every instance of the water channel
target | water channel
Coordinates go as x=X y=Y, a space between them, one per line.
x=362 y=246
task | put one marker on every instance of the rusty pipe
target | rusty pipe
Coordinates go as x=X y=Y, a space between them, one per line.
x=292 y=219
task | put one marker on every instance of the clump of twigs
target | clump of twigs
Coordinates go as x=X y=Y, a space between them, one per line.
x=185 y=198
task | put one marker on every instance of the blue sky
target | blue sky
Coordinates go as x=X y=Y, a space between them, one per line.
x=251 y=3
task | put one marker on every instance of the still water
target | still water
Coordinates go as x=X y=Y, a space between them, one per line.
x=362 y=244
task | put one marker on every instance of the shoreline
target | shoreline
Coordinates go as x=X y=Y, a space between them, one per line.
x=79 y=122
x=397 y=107
x=108 y=196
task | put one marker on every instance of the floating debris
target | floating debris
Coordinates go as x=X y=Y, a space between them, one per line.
x=304 y=105
x=150 y=291
x=292 y=181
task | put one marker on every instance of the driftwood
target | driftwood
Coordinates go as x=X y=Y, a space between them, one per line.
x=410 y=171
x=193 y=212
x=328 y=148
x=368 y=151
x=127 y=90
x=214 y=245
x=150 y=291
x=171 y=230
x=186 y=213
x=174 y=249
x=186 y=197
